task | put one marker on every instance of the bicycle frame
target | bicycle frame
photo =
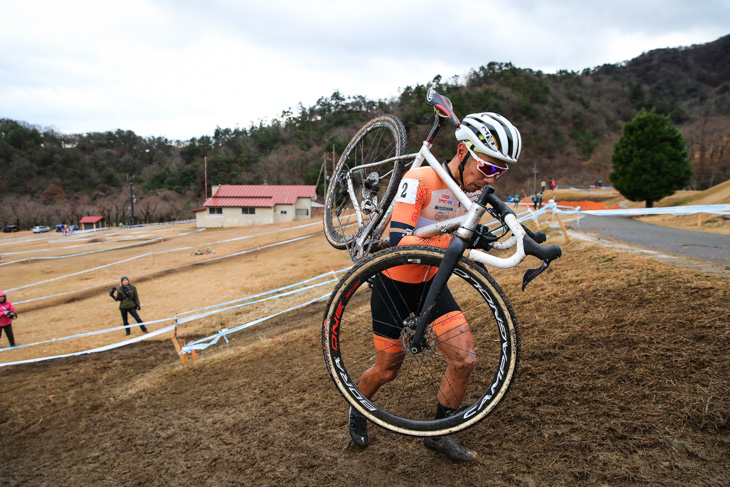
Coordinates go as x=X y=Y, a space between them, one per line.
x=472 y=283
x=465 y=221
x=462 y=227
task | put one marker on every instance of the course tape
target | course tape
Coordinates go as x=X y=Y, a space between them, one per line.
x=212 y=340
x=95 y=350
x=283 y=288
x=188 y=319
x=81 y=234
x=136 y=244
x=670 y=210
x=289 y=293
x=78 y=273
x=170 y=268
x=90 y=333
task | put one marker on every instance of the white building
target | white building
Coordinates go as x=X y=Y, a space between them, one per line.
x=239 y=205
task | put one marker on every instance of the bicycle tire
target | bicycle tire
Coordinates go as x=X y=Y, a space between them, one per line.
x=379 y=139
x=407 y=404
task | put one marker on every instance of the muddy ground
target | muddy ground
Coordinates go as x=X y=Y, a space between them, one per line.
x=625 y=380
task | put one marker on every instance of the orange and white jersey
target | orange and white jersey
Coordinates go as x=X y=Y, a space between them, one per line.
x=422 y=199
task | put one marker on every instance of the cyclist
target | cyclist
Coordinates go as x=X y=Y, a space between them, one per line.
x=487 y=143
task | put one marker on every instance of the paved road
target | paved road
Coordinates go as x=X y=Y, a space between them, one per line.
x=696 y=245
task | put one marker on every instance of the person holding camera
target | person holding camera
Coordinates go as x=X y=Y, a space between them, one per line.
x=127 y=294
x=7 y=315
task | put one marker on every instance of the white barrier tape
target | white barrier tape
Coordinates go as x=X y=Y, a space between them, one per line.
x=290 y=286
x=167 y=270
x=199 y=316
x=524 y=216
x=90 y=333
x=199 y=345
x=209 y=313
x=670 y=210
x=265 y=233
x=136 y=244
x=78 y=273
x=95 y=350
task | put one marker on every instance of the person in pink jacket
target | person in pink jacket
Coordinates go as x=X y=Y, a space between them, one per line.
x=7 y=315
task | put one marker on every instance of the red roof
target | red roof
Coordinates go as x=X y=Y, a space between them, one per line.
x=265 y=196
x=91 y=219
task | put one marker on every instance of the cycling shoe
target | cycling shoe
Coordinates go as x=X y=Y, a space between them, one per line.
x=451 y=447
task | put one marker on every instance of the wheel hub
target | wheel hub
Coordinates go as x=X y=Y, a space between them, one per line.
x=428 y=345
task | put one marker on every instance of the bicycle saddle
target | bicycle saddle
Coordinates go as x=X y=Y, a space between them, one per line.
x=443 y=105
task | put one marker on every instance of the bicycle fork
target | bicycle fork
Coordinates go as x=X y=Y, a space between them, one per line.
x=454 y=251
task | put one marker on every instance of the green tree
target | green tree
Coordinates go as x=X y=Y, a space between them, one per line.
x=650 y=159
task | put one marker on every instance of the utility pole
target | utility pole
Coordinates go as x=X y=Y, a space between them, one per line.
x=323 y=168
x=205 y=159
x=534 y=179
x=131 y=199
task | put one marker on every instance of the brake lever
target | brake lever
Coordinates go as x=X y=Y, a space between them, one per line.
x=546 y=254
x=531 y=274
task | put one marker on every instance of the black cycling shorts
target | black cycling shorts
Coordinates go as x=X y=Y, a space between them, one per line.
x=392 y=302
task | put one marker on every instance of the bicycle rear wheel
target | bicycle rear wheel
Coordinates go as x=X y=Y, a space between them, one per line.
x=407 y=404
x=360 y=192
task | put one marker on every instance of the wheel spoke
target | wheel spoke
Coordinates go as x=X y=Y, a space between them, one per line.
x=474 y=359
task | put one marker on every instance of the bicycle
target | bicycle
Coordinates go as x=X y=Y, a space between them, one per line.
x=357 y=210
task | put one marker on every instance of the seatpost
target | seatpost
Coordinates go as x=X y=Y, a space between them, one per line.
x=435 y=129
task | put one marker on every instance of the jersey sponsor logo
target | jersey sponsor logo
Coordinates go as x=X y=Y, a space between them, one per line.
x=445 y=200
x=407 y=191
x=440 y=216
x=444 y=208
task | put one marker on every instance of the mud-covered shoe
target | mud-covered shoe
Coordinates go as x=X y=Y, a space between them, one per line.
x=358 y=427
x=451 y=447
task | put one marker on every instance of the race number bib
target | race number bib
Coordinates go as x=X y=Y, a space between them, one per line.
x=407 y=191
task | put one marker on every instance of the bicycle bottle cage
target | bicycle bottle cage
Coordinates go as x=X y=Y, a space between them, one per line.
x=442 y=105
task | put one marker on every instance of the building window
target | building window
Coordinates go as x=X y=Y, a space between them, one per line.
x=215 y=211
x=283 y=212
x=248 y=211
x=302 y=212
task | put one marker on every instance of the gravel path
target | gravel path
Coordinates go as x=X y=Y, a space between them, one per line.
x=695 y=245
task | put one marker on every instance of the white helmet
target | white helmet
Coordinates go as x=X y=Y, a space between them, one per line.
x=491 y=134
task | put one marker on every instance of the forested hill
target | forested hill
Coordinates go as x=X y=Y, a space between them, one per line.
x=569 y=122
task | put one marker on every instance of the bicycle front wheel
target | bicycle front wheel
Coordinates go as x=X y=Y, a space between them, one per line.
x=407 y=403
x=361 y=189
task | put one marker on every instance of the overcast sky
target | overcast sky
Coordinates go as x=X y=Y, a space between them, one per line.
x=179 y=68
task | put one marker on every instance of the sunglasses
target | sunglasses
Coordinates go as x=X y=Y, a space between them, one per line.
x=487 y=168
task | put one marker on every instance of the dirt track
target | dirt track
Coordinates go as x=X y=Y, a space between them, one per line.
x=624 y=381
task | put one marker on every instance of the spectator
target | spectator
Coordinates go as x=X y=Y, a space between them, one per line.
x=7 y=315
x=543 y=185
x=517 y=201
x=534 y=201
x=129 y=304
x=552 y=184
